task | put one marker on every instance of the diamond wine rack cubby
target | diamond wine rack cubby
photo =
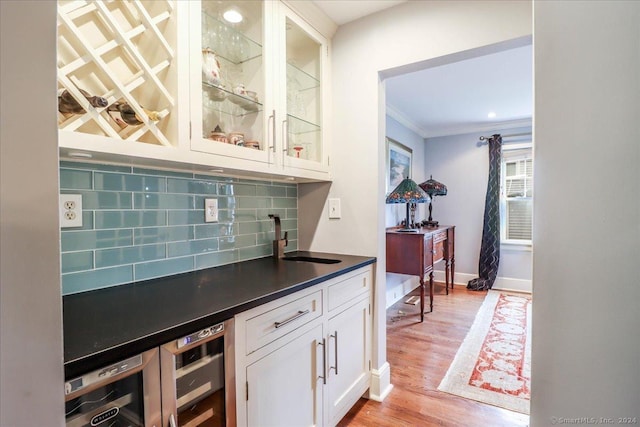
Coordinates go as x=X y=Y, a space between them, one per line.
x=116 y=61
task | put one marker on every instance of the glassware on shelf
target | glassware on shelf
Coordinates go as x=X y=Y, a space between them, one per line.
x=210 y=68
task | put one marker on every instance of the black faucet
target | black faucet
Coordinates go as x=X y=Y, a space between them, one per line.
x=279 y=244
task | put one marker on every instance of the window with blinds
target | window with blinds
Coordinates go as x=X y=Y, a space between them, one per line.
x=517 y=194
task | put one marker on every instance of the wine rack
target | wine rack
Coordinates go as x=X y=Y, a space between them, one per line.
x=123 y=51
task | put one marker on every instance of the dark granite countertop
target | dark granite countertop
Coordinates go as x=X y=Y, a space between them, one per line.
x=107 y=325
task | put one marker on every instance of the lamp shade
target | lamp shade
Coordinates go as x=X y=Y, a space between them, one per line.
x=433 y=187
x=407 y=192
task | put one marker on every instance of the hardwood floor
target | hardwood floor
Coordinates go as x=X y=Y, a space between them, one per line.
x=419 y=355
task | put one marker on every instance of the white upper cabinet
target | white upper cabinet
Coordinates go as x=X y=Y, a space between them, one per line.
x=256 y=89
x=303 y=77
x=117 y=74
x=236 y=86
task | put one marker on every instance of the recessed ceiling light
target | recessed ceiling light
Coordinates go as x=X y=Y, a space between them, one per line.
x=232 y=16
x=216 y=170
x=491 y=115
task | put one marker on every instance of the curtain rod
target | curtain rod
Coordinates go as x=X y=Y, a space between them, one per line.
x=484 y=138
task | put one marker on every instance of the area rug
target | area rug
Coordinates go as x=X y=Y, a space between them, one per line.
x=493 y=364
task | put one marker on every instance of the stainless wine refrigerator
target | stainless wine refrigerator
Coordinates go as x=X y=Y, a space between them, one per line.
x=187 y=382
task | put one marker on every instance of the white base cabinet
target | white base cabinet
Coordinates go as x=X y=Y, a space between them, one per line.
x=305 y=359
x=285 y=384
x=348 y=357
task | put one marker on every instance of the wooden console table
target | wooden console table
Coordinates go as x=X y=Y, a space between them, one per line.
x=415 y=253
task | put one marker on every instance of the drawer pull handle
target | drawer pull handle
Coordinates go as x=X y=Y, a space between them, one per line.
x=298 y=315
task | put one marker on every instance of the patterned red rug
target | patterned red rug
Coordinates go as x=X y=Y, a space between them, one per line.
x=493 y=364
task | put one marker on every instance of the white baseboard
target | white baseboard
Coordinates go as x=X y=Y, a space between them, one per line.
x=399 y=285
x=380 y=383
x=501 y=283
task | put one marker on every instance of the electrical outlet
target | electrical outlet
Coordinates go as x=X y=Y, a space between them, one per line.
x=210 y=210
x=70 y=210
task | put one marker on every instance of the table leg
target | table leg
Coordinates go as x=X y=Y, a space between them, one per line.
x=421 y=299
x=431 y=291
x=446 y=276
x=453 y=267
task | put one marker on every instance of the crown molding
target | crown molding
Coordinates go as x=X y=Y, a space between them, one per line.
x=405 y=121
x=485 y=127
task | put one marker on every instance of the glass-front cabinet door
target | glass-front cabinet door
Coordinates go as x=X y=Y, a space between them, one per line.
x=228 y=78
x=304 y=66
x=258 y=88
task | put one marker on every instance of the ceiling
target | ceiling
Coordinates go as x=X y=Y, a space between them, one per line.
x=454 y=98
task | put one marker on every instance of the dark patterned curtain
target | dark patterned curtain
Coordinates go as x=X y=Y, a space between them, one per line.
x=490 y=247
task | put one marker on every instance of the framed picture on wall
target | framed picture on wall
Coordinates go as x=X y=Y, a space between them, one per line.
x=398 y=163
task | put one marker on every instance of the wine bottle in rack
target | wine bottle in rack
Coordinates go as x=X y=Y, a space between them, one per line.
x=67 y=104
x=124 y=115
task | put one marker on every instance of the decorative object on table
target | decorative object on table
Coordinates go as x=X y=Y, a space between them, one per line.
x=433 y=188
x=398 y=163
x=493 y=364
x=68 y=105
x=124 y=115
x=407 y=192
x=489 y=259
x=218 y=135
x=210 y=68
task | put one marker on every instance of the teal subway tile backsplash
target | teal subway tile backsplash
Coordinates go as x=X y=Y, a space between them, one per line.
x=96 y=279
x=127 y=182
x=141 y=223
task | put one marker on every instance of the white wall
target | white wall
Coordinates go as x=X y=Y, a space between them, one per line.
x=463 y=166
x=31 y=373
x=586 y=314
x=411 y=33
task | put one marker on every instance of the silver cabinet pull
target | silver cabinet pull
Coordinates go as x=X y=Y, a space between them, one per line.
x=285 y=138
x=324 y=361
x=335 y=352
x=272 y=147
x=172 y=421
x=298 y=315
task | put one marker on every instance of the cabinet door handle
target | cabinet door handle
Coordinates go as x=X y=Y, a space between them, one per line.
x=335 y=352
x=324 y=361
x=285 y=138
x=272 y=147
x=172 y=421
x=298 y=315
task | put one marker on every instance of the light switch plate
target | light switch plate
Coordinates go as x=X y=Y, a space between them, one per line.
x=334 y=209
x=210 y=210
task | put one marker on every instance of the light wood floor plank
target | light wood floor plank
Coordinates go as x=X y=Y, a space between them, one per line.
x=419 y=355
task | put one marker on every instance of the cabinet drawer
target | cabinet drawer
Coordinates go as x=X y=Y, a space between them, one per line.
x=439 y=236
x=438 y=251
x=346 y=290
x=271 y=325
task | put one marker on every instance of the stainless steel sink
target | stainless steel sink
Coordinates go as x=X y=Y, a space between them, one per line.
x=312 y=259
